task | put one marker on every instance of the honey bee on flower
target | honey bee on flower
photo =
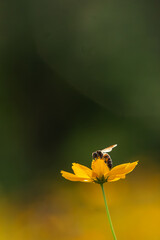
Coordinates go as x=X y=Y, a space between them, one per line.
x=103 y=154
x=101 y=169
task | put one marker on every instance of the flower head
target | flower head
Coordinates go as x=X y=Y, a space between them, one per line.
x=99 y=172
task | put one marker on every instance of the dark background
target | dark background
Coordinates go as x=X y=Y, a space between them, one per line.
x=76 y=76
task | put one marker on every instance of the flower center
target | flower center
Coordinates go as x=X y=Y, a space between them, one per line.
x=100 y=180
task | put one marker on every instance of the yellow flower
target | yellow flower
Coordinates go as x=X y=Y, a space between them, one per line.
x=99 y=172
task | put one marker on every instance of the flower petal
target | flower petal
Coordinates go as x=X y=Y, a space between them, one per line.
x=130 y=167
x=81 y=171
x=73 y=177
x=114 y=178
x=123 y=168
x=122 y=176
x=99 y=168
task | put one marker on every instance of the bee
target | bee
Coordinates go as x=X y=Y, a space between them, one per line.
x=103 y=154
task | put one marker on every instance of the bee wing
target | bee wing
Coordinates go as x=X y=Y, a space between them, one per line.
x=108 y=149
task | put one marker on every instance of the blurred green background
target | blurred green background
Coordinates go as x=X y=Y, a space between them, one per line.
x=77 y=76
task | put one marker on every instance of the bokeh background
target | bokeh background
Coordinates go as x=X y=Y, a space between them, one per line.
x=77 y=76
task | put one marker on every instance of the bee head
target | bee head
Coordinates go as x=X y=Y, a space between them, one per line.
x=94 y=155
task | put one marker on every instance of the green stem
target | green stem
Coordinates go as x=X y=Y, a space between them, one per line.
x=108 y=215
